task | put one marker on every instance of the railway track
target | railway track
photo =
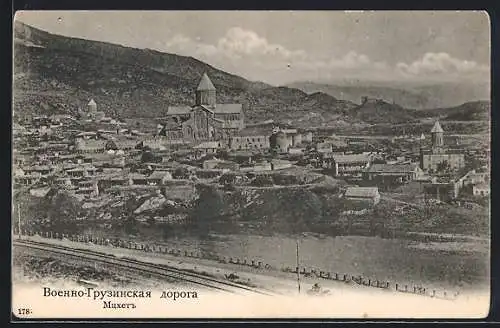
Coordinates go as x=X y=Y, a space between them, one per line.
x=159 y=270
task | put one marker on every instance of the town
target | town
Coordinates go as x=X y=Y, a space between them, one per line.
x=92 y=156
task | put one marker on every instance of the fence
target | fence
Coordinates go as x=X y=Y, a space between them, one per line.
x=306 y=272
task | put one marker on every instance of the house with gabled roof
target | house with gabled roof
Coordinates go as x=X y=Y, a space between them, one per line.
x=207 y=148
x=346 y=165
x=366 y=194
x=384 y=175
x=482 y=189
x=159 y=177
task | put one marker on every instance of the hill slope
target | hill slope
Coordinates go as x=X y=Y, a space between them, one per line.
x=408 y=95
x=58 y=74
x=379 y=111
x=470 y=111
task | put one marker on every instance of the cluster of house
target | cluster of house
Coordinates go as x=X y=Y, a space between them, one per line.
x=61 y=151
x=449 y=187
x=89 y=159
x=207 y=139
x=439 y=172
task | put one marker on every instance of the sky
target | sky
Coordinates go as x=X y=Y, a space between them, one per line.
x=280 y=47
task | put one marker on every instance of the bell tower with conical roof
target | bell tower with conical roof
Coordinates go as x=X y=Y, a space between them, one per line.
x=437 y=135
x=92 y=106
x=205 y=93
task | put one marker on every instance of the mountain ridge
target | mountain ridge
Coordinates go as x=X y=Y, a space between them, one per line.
x=407 y=94
x=54 y=73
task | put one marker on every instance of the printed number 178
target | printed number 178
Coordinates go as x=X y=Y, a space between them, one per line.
x=23 y=311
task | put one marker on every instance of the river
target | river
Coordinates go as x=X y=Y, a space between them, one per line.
x=393 y=260
x=452 y=265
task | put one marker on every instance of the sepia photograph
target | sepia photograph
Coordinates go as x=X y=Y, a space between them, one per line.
x=251 y=164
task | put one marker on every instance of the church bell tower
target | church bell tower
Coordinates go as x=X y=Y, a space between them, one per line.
x=437 y=136
x=205 y=93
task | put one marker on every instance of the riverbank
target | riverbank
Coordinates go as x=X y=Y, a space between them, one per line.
x=395 y=261
x=361 y=300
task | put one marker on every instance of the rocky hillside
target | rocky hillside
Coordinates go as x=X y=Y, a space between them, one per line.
x=379 y=111
x=276 y=208
x=406 y=94
x=60 y=74
x=242 y=209
x=470 y=111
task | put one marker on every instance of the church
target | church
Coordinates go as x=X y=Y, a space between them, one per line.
x=205 y=120
x=438 y=156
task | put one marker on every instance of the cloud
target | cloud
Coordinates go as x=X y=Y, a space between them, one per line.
x=185 y=46
x=236 y=44
x=245 y=52
x=350 y=61
x=440 y=64
x=239 y=42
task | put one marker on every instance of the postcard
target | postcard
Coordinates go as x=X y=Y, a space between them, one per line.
x=251 y=164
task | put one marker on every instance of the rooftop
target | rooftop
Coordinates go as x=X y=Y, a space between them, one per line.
x=217 y=109
x=393 y=168
x=446 y=151
x=205 y=84
x=482 y=186
x=86 y=133
x=137 y=176
x=367 y=192
x=242 y=153
x=94 y=143
x=227 y=108
x=207 y=145
x=255 y=131
x=37 y=168
x=351 y=158
x=437 y=128
x=178 y=110
x=158 y=174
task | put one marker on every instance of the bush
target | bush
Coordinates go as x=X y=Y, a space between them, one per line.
x=263 y=181
x=181 y=173
x=147 y=157
x=285 y=180
x=228 y=178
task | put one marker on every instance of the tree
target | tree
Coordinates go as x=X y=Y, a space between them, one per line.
x=63 y=208
x=130 y=225
x=223 y=154
x=263 y=180
x=149 y=157
x=228 y=179
x=181 y=173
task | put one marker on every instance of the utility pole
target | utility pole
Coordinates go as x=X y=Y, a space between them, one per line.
x=298 y=268
x=19 y=219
